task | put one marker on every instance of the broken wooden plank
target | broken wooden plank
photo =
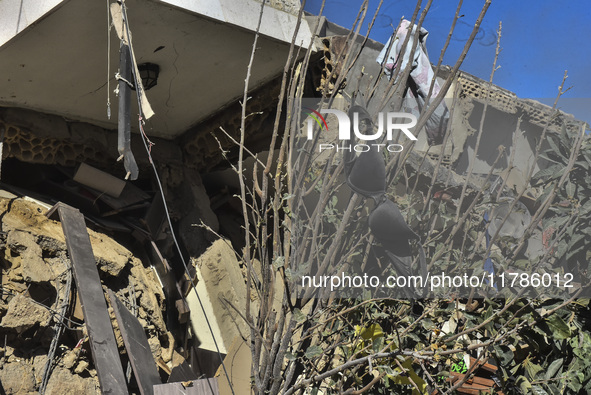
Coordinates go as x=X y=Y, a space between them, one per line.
x=162 y=365
x=182 y=307
x=483 y=365
x=475 y=389
x=489 y=383
x=77 y=312
x=137 y=346
x=196 y=387
x=471 y=391
x=98 y=323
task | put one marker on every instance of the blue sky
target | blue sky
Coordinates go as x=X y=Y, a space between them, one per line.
x=540 y=40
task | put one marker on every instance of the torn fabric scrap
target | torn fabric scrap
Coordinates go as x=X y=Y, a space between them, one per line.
x=421 y=76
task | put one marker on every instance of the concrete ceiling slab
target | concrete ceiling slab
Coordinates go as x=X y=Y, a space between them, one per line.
x=57 y=62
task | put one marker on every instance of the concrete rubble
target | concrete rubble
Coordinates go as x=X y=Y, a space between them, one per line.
x=134 y=254
x=34 y=263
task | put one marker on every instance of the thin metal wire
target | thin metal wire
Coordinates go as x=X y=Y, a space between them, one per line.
x=161 y=190
x=59 y=329
x=2 y=131
x=108 y=60
x=51 y=311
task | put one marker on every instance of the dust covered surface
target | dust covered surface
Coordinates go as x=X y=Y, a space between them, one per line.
x=34 y=272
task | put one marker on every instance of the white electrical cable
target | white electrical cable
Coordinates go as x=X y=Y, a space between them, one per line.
x=145 y=141
x=108 y=61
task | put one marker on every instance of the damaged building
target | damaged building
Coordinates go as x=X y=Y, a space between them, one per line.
x=59 y=128
x=163 y=236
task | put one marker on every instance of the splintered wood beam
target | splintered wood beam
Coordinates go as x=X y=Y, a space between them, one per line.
x=484 y=365
x=96 y=316
x=489 y=383
x=137 y=346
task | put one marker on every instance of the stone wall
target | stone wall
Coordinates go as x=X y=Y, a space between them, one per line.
x=36 y=137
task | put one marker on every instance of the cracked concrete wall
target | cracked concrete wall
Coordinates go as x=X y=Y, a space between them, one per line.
x=510 y=122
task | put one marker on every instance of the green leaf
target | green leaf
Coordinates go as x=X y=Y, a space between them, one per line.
x=575 y=239
x=561 y=250
x=553 y=389
x=558 y=173
x=586 y=208
x=428 y=324
x=553 y=368
x=532 y=369
x=413 y=336
x=388 y=370
x=487 y=314
x=570 y=189
x=313 y=352
x=504 y=354
x=537 y=390
x=288 y=273
x=554 y=147
x=556 y=222
x=564 y=138
x=278 y=262
x=523 y=384
x=560 y=330
x=522 y=263
x=287 y=196
x=289 y=356
x=544 y=195
x=574 y=383
x=378 y=344
x=299 y=316
x=547 y=172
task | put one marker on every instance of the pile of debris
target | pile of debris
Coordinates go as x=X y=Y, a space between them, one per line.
x=45 y=335
x=35 y=292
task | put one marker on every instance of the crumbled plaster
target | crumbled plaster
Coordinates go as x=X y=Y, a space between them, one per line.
x=33 y=263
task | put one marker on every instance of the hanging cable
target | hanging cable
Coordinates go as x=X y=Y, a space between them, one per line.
x=108 y=61
x=59 y=328
x=161 y=190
